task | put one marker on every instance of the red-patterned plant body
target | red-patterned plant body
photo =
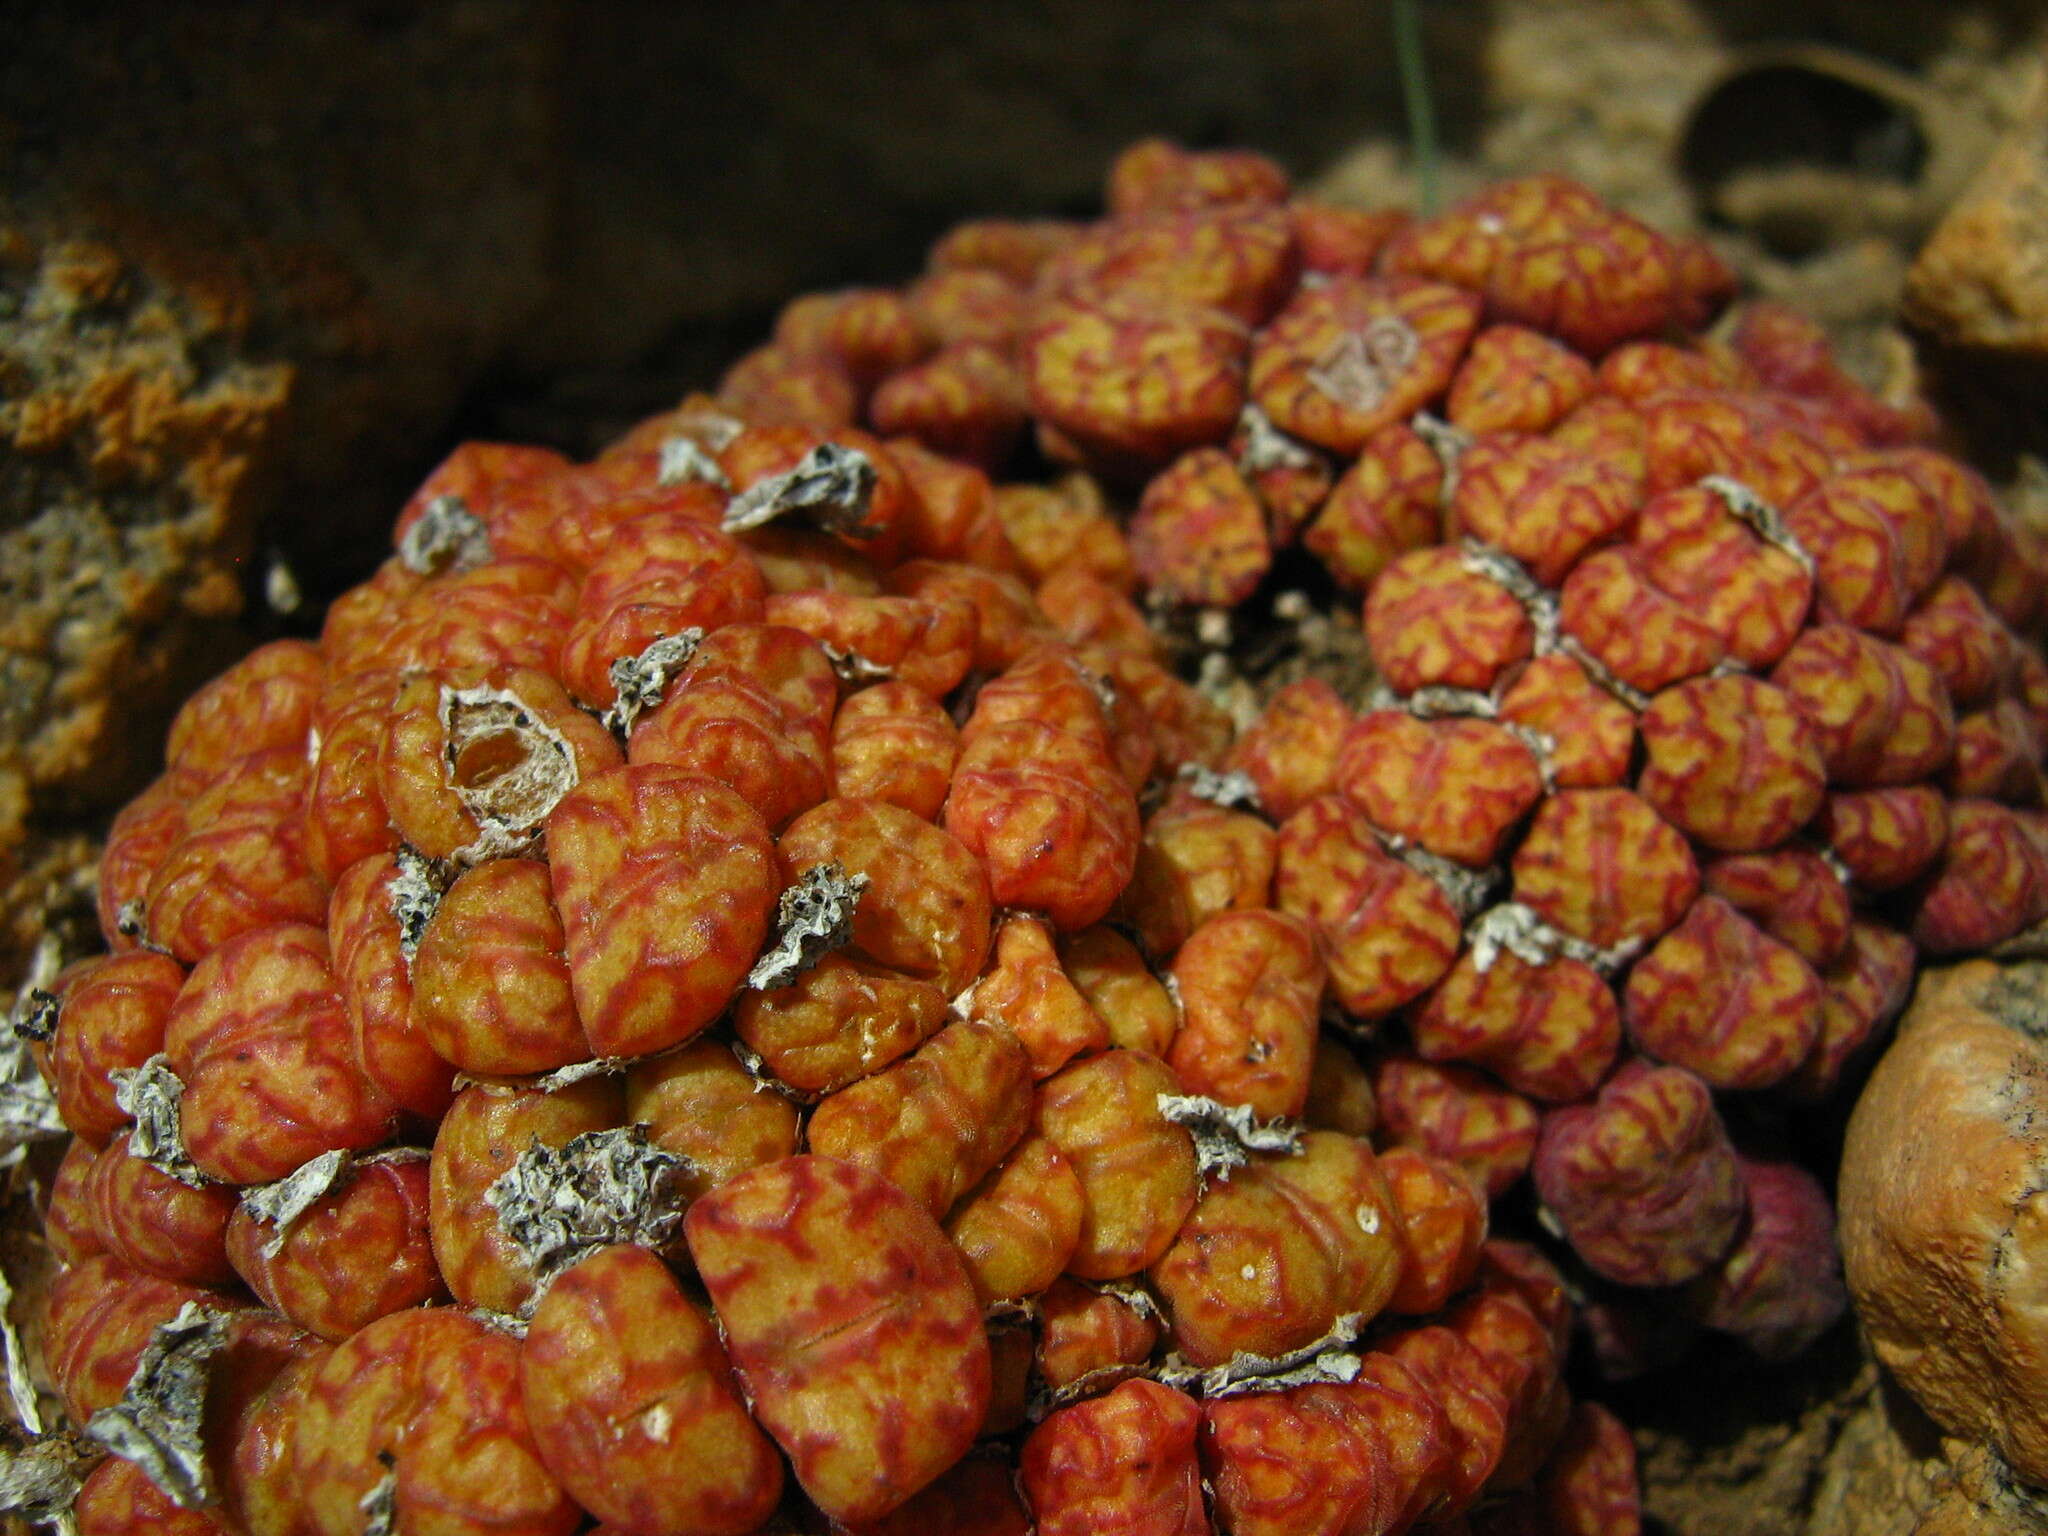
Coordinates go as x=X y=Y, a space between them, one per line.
x=843 y=824
x=1643 y=1178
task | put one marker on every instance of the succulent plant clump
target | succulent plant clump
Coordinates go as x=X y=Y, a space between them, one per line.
x=753 y=985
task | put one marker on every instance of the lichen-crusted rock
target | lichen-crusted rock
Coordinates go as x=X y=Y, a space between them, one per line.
x=1981 y=281
x=1942 y=1208
x=1980 y=1498
x=195 y=337
x=134 y=446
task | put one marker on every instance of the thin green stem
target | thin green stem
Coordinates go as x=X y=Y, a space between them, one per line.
x=1414 y=70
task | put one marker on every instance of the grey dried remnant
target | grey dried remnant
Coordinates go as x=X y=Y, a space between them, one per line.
x=641 y=682
x=151 y=1095
x=599 y=1188
x=446 y=537
x=831 y=486
x=157 y=1422
x=1226 y=1135
x=814 y=917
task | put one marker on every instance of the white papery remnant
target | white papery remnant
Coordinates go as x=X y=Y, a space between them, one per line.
x=852 y=668
x=157 y=1423
x=1467 y=889
x=150 y=1095
x=283 y=1201
x=1520 y=931
x=446 y=537
x=684 y=460
x=415 y=894
x=832 y=486
x=28 y=1106
x=555 y=1204
x=1226 y=1135
x=580 y=1071
x=21 y=1387
x=380 y=1504
x=812 y=918
x=766 y=1081
x=1504 y=570
x=1326 y=1359
x=1448 y=443
x=39 y=1480
x=1541 y=605
x=1266 y=447
x=715 y=429
x=1360 y=366
x=507 y=766
x=641 y=682
x=1437 y=702
x=1232 y=790
x=1764 y=520
x=129 y=918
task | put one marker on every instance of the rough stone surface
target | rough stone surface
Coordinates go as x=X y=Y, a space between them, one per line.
x=1982 y=280
x=1824 y=1448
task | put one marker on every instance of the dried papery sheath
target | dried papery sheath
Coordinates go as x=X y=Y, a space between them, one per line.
x=415 y=893
x=714 y=429
x=34 y=1015
x=1360 y=367
x=1544 y=617
x=157 y=1423
x=852 y=668
x=831 y=485
x=39 y=1481
x=447 y=536
x=1437 y=702
x=128 y=918
x=1327 y=1359
x=380 y=1504
x=283 y=1202
x=1266 y=447
x=1518 y=930
x=601 y=1187
x=1764 y=520
x=1230 y=790
x=1600 y=673
x=508 y=767
x=150 y=1094
x=1468 y=889
x=580 y=1071
x=1543 y=747
x=508 y=1323
x=1132 y=1295
x=685 y=460
x=766 y=1081
x=21 y=1387
x=1226 y=1135
x=814 y=917
x=1505 y=570
x=28 y=1108
x=1448 y=443
x=642 y=681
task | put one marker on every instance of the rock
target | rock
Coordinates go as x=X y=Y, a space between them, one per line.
x=1826 y=1448
x=1981 y=281
x=1941 y=1208
x=1978 y=1497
